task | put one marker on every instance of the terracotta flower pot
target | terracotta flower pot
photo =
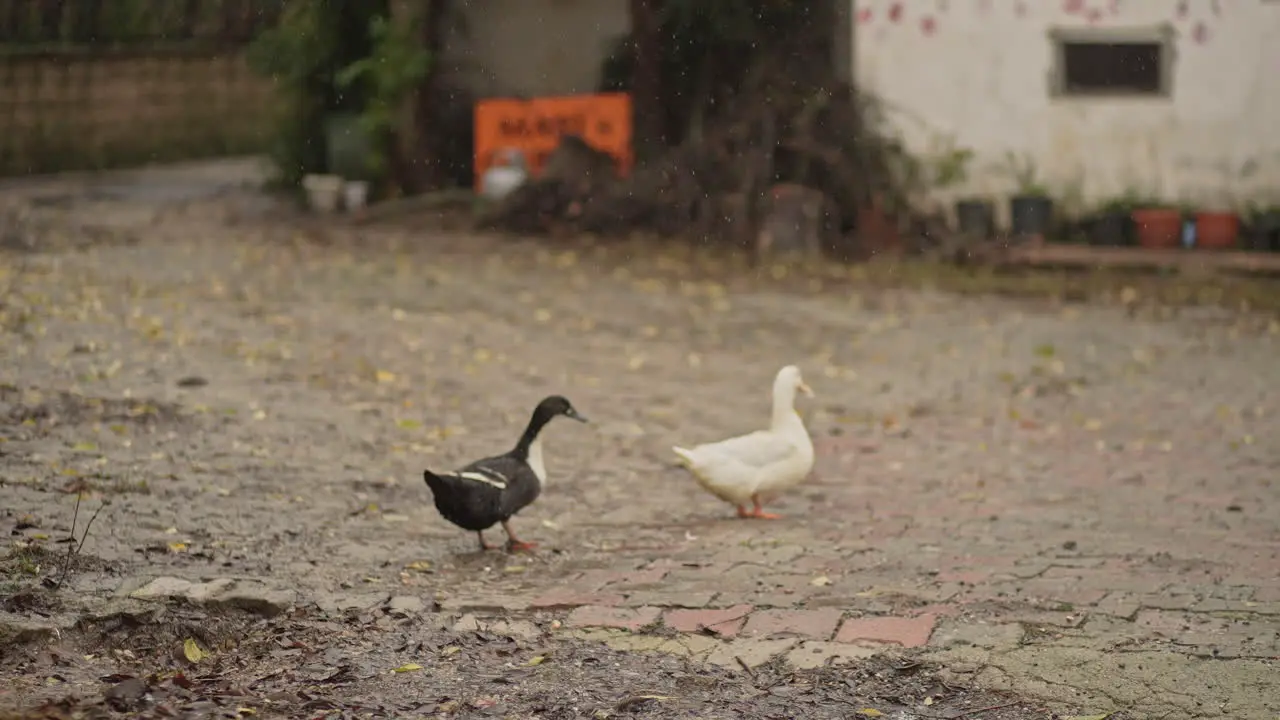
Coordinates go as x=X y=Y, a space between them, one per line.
x=1158 y=228
x=1217 y=230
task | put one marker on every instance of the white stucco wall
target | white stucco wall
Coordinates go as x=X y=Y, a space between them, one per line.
x=980 y=70
x=527 y=48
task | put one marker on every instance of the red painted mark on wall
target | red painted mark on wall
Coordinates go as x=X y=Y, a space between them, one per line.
x=895 y=12
x=864 y=16
x=1073 y=7
x=928 y=25
x=1095 y=16
x=1114 y=7
x=1200 y=33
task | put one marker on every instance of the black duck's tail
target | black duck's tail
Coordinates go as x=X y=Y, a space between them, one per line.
x=434 y=481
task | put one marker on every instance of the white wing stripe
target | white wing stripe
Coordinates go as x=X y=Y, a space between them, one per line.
x=488 y=478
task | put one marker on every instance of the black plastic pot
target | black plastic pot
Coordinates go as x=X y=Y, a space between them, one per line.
x=1030 y=214
x=1254 y=238
x=1267 y=225
x=1111 y=229
x=976 y=217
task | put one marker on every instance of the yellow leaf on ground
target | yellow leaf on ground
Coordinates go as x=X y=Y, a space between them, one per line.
x=177 y=547
x=84 y=447
x=418 y=565
x=536 y=660
x=409 y=424
x=408 y=667
x=192 y=651
x=870 y=712
x=385 y=376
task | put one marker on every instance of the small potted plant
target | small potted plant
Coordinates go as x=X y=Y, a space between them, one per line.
x=1261 y=230
x=1217 y=229
x=974 y=216
x=1157 y=225
x=1112 y=222
x=1031 y=209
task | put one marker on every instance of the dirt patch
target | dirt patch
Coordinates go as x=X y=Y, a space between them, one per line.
x=45 y=410
x=374 y=666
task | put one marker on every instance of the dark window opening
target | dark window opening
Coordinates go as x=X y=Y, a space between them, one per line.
x=1113 y=68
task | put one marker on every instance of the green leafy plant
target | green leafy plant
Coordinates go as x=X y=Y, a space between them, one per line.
x=302 y=54
x=297 y=54
x=394 y=68
x=1128 y=201
x=1023 y=170
x=952 y=167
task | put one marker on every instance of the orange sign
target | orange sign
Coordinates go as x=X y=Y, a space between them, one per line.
x=535 y=126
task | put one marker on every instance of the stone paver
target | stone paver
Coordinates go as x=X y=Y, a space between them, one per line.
x=814 y=624
x=820 y=654
x=723 y=623
x=608 y=617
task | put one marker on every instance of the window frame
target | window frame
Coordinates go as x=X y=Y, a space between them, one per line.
x=1162 y=35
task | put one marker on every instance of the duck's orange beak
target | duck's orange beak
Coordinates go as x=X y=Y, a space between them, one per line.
x=805 y=389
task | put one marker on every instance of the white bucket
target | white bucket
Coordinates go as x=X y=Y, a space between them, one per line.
x=355 y=194
x=323 y=192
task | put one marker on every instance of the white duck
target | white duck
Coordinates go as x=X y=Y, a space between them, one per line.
x=760 y=465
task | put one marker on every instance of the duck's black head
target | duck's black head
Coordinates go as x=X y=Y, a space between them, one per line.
x=546 y=411
x=552 y=406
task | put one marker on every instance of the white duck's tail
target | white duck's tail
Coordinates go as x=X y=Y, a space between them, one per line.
x=695 y=465
x=686 y=456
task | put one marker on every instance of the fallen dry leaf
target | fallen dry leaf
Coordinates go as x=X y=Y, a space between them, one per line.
x=536 y=660
x=191 y=650
x=407 y=667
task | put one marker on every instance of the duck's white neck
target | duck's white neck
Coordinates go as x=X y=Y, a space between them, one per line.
x=535 y=460
x=784 y=408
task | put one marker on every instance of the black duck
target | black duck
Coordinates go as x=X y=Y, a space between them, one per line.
x=492 y=490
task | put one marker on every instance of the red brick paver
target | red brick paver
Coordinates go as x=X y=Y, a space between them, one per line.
x=907 y=632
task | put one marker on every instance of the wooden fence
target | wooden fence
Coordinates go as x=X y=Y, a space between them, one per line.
x=87 y=84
